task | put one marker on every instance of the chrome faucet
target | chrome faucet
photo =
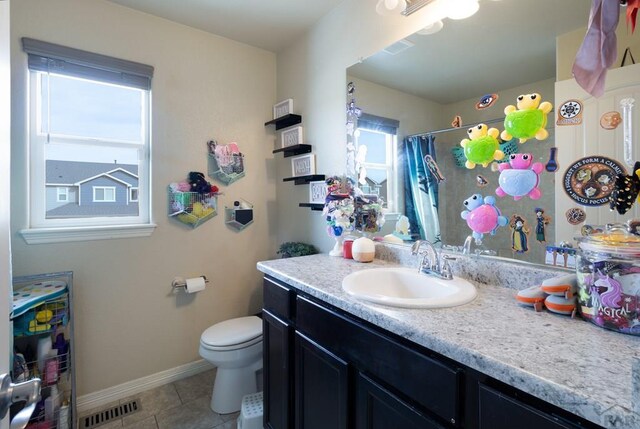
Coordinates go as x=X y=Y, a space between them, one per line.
x=431 y=262
x=466 y=248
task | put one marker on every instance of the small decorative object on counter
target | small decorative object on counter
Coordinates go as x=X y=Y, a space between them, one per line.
x=347 y=247
x=562 y=255
x=363 y=250
x=339 y=210
x=482 y=216
x=520 y=177
x=608 y=270
x=527 y=119
x=482 y=146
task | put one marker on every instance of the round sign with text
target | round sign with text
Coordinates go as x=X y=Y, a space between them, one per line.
x=589 y=181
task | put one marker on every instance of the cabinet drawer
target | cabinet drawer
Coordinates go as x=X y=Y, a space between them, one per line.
x=499 y=411
x=429 y=383
x=277 y=298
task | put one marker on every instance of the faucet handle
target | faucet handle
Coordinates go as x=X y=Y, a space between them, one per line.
x=446 y=272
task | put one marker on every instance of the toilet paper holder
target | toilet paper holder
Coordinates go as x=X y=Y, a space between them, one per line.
x=179 y=283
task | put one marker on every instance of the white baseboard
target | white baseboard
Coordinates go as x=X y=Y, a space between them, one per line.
x=115 y=393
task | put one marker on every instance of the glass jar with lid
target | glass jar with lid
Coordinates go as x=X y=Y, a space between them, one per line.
x=608 y=271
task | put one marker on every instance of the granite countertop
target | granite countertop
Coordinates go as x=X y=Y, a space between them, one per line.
x=567 y=362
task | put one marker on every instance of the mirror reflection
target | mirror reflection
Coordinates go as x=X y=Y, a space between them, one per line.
x=422 y=95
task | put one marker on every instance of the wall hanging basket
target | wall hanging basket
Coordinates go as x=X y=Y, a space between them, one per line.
x=192 y=208
x=226 y=162
x=240 y=215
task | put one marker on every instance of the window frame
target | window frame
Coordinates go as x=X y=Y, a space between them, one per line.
x=65 y=193
x=104 y=190
x=391 y=157
x=43 y=230
x=133 y=189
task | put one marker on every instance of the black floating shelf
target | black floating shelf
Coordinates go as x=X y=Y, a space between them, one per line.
x=303 y=180
x=318 y=207
x=285 y=121
x=298 y=149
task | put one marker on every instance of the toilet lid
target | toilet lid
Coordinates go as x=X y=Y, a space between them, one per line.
x=232 y=332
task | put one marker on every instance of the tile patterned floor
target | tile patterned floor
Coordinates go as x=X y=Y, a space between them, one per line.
x=183 y=404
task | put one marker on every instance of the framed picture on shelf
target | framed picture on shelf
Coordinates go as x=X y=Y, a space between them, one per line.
x=318 y=192
x=291 y=137
x=283 y=108
x=303 y=165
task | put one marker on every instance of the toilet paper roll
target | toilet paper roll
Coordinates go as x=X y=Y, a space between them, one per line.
x=195 y=284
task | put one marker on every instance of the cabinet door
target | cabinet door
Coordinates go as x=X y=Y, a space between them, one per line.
x=377 y=408
x=277 y=372
x=498 y=411
x=321 y=386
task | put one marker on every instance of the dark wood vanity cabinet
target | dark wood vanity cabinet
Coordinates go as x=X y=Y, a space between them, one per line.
x=326 y=369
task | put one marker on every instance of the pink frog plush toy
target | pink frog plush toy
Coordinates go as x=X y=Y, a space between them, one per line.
x=520 y=177
x=482 y=216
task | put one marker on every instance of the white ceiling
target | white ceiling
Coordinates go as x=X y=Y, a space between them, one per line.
x=268 y=24
x=505 y=44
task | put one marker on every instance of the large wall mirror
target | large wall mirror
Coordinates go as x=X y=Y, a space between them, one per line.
x=411 y=92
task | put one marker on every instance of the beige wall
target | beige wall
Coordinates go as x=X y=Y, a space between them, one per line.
x=312 y=71
x=128 y=324
x=569 y=43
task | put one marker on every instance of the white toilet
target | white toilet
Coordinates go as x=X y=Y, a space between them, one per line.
x=235 y=348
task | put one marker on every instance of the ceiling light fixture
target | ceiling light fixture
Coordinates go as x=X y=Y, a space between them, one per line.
x=461 y=9
x=390 y=7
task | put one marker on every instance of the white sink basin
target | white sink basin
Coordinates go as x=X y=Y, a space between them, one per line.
x=405 y=287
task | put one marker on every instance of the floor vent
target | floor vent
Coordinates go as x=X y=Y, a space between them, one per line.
x=102 y=417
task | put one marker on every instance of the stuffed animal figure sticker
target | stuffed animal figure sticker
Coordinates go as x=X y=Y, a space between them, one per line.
x=519 y=234
x=542 y=221
x=482 y=146
x=482 y=216
x=520 y=177
x=526 y=120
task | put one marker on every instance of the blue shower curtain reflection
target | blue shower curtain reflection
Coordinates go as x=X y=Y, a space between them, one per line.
x=421 y=189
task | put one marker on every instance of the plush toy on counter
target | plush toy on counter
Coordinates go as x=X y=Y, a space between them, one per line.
x=482 y=146
x=482 y=216
x=520 y=177
x=526 y=120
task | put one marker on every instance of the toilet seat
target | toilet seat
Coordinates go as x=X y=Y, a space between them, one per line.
x=233 y=334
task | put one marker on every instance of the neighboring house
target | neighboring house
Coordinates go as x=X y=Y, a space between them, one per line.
x=90 y=189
